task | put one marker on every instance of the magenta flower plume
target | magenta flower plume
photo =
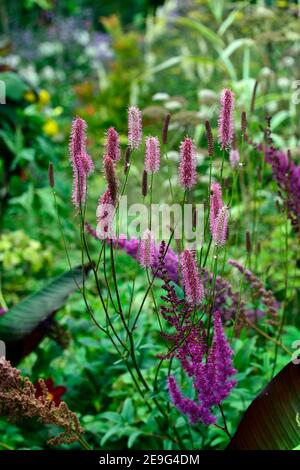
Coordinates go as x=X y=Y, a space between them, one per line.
x=215 y=203
x=152 y=155
x=234 y=157
x=105 y=215
x=187 y=165
x=81 y=162
x=192 y=284
x=112 y=144
x=195 y=412
x=147 y=250
x=220 y=227
x=134 y=127
x=111 y=177
x=225 y=131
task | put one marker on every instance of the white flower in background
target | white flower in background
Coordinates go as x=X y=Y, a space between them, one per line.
x=31 y=74
x=272 y=107
x=173 y=105
x=48 y=49
x=266 y=72
x=283 y=82
x=160 y=96
x=288 y=61
x=82 y=37
x=48 y=73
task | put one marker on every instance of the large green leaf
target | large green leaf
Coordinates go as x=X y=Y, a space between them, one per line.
x=272 y=420
x=27 y=315
x=15 y=87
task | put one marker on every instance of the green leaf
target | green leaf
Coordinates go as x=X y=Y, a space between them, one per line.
x=132 y=438
x=24 y=317
x=272 y=420
x=203 y=30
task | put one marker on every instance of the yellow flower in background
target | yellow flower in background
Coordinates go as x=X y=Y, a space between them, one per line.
x=44 y=97
x=30 y=96
x=51 y=127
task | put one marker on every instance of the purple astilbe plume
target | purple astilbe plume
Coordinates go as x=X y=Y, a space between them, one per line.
x=234 y=157
x=192 y=283
x=112 y=144
x=212 y=378
x=287 y=176
x=188 y=407
x=225 y=130
x=259 y=293
x=187 y=165
x=152 y=155
x=147 y=254
x=134 y=127
x=111 y=178
x=216 y=203
x=220 y=227
x=81 y=162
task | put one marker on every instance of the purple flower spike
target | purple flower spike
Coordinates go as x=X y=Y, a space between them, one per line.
x=81 y=162
x=187 y=165
x=220 y=227
x=112 y=144
x=193 y=287
x=216 y=203
x=152 y=155
x=146 y=250
x=134 y=127
x=225 y=131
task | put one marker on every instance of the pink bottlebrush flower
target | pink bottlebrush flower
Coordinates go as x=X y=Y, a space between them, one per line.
x=134 y=127
x=112 y=144
x=187 y=165
x=192 y=284
x=215 y=203
x=111 y=177
x=147 y=250
x=220 y=227
x=225 y=130
x=105 y=215
x=234 y=157
x=152 y=155
x=81 y=162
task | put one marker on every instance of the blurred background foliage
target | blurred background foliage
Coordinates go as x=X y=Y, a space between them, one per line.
x=93 y=58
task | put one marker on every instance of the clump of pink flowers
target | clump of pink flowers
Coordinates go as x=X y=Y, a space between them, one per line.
x=192 y=283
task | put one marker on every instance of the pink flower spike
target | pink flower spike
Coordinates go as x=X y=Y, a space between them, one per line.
x=193 y=287
x=234 y=157
x=134 y=127
x=152 y=155
x=220 y=227
x=215 y=203
x=81 y=162
x=147 y=254
x=225 y=131
x=112 y=144
x=187 y=165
